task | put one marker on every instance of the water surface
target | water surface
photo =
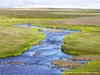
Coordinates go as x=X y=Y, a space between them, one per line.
x=37 y=60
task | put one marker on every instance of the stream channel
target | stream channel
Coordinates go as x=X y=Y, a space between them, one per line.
x=37 y=60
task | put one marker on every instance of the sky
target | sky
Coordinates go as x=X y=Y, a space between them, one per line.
x=88 y=4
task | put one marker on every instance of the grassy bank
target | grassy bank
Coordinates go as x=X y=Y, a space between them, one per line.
x=86 y=42
x=15 y=40
x=82 y=43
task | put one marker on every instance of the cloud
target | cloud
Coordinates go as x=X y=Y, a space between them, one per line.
x=50 y=3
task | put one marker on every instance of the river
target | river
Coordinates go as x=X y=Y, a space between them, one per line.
x=37 y=60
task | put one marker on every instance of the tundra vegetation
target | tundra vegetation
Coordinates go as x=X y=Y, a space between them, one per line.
x=15 y=40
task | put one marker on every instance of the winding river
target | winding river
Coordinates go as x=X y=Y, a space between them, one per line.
x=37 y=60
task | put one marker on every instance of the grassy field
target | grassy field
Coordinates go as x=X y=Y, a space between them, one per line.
x=46 y=13
x=15 y=40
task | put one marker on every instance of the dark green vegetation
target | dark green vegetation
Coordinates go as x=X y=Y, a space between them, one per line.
x=14 y=40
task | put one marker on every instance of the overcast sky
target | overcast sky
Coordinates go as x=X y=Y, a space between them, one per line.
x=94 y=4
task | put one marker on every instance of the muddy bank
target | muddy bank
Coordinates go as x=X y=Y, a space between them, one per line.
x=67 y=64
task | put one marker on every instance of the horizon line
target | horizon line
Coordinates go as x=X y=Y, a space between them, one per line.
x=45 y=8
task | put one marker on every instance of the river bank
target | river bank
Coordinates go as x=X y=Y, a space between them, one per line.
x=15 y=40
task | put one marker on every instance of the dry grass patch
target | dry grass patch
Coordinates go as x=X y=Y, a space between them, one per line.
x=86 y=57
x=93 y=20
x=65 y=63
x=55 y=30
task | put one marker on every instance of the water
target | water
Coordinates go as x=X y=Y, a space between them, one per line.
x=37 y=60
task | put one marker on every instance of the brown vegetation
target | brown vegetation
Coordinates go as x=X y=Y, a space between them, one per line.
x=65 y=63
x=86 y=57
x=55 y=30
x=94 y=20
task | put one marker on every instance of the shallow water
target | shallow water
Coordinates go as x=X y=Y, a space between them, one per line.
x=37 y=60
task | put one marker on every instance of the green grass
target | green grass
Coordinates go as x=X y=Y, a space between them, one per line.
x=86 y=42
x=15 y=40
x=92 y=68
x=82 y=43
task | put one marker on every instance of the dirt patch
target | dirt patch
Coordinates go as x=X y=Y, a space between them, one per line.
x=55 y=30
x=65 y=63
x=86 y=57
